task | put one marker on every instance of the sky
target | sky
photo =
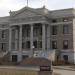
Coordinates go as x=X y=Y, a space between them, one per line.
x=14 y=5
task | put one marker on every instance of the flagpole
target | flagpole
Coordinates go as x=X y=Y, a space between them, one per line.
x=27 y=3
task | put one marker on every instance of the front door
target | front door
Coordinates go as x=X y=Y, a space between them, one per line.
x=14 y=58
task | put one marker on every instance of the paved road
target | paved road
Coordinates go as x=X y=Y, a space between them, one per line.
x=64 y=72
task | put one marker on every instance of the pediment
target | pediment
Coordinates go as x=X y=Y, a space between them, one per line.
x=27 y=12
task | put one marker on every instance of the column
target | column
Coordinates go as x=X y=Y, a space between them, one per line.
x=31 y=39
x=48 y=37
x=16 y=39
x=20 y=38
x=10 y=39
x=10 y=42
x=43 y=37
x=20 y=44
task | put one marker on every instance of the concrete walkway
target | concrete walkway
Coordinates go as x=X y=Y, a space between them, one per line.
x=71 y=68
x=64 y=70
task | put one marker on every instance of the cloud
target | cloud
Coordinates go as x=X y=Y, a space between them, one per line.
x=61 y=4
x=7 y=5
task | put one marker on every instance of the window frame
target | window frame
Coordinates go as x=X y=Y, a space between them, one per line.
x=65 y=29
x=64 y=45
x=53 y=45
x=54 y=30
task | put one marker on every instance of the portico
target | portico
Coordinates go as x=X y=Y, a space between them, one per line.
x=24 y=36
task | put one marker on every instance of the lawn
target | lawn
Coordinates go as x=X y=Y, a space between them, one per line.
x=17 y=72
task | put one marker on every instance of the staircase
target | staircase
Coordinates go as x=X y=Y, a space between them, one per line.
x=4 y=57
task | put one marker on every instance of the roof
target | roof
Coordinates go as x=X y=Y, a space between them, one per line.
x=62 y=13
x=4 y=19
x=32 y=12
x=39 y=11
x=49 y=13
x=36 y=61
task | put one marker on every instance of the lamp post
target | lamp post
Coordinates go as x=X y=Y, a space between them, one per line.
x=33 y=51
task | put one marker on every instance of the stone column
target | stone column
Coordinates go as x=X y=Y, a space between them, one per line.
x=20 y=44
x=43 y=37
x=31 y=39
x=20 y=38
x=16 y=39
x=10 y=42
x=10 y=39
x=48 y=37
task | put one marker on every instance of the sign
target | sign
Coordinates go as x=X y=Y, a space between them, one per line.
x=45 y=68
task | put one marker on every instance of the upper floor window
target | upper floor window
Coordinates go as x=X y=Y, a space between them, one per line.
x=54 y=21
x=28 y=33
x=23 y=45
x=54 y=44
x=65 y=44
x=3 y=34
x=65 y=29
x=54 y=30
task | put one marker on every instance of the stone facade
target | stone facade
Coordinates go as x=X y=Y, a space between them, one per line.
x=31 y=31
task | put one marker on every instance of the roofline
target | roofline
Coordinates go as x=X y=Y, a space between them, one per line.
x=64 y=9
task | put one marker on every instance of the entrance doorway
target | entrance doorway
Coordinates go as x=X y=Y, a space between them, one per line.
x=14 y=58
x=65 y=58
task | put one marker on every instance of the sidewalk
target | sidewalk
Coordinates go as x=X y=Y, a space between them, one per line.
x=71 y=68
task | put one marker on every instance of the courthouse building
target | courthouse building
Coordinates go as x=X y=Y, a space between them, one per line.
x=31 y=32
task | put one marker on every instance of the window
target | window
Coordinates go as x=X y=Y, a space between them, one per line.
x=40 y=31
x=27 y=44
x=54 y=44
x=65 y=44
x=3 y=34
x=54 y=21
x=65 y=57
x=40 y=44
x=65 y=29
x=35 y=44
x=65 y=19
x=24 y=56
x=13 y=45
x=23 y=45
x=54 y=30
x=27 y=32
x=3 y=47
x=35 y=31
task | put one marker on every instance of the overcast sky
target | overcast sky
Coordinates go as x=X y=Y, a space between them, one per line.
x=14 y=5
